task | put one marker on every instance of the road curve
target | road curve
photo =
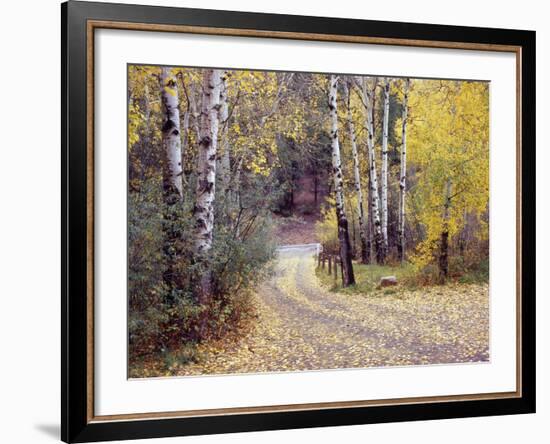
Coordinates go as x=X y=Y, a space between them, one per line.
x=304 y=326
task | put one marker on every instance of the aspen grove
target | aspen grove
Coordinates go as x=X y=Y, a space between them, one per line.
x=228 y=168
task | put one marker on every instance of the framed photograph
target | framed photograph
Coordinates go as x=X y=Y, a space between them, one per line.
x=275 y=221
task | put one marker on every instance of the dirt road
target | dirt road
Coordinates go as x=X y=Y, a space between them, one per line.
x=303 y=326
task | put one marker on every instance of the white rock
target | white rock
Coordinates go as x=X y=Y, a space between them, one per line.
x=388 y=281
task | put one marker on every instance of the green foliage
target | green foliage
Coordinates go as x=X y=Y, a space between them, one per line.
x=476 y=273
x=160 y=320
x=237 y=265
x=145 y=286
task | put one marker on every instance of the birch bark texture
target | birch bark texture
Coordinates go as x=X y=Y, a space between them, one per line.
x=348 y=277
x=172 y=186
x=357 y=176
x=368 y=100
x=171 y=140
x=384 y=168
x=206 y=178
x=206 y=162
x=185 y=130
x=370 y=230
x=403 y=172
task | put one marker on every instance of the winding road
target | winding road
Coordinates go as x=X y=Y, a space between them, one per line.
x=303 y=326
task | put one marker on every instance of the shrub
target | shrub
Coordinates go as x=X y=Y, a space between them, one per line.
x=327 y=228
x=163 y=321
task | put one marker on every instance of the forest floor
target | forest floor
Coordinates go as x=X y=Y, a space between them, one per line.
x=304 y=324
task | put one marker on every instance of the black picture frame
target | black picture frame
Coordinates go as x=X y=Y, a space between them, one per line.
x=76 y=423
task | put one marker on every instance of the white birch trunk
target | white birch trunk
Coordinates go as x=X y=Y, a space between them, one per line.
x=185 y=133
x=368 y=98
x=171 y=139
x=403 y=172
x=206 y=189
x=206 y=163
x=336 y=163
x=172 y=186
x=384 y=169
x=357 y=178
x=343 y=235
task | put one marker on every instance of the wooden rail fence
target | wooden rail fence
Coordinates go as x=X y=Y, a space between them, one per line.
x=329 y=262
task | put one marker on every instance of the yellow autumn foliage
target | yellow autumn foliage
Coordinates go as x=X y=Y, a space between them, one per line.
x=448 y=141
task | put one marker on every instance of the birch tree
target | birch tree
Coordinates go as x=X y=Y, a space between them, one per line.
x=367 y=95
x=172 y=186
x=370 y=225
x=384 y=168
x=206 y=178
x=343 y=234
x=185 y=126
x=357 y=177
x=403 y=173
x=171 y=140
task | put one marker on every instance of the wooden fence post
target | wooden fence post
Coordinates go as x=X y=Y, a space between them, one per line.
x=335 y=268
x=329 y=265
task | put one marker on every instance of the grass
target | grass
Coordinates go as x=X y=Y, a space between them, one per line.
x=367 y=278
x=186 y=354
x=477 y=275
